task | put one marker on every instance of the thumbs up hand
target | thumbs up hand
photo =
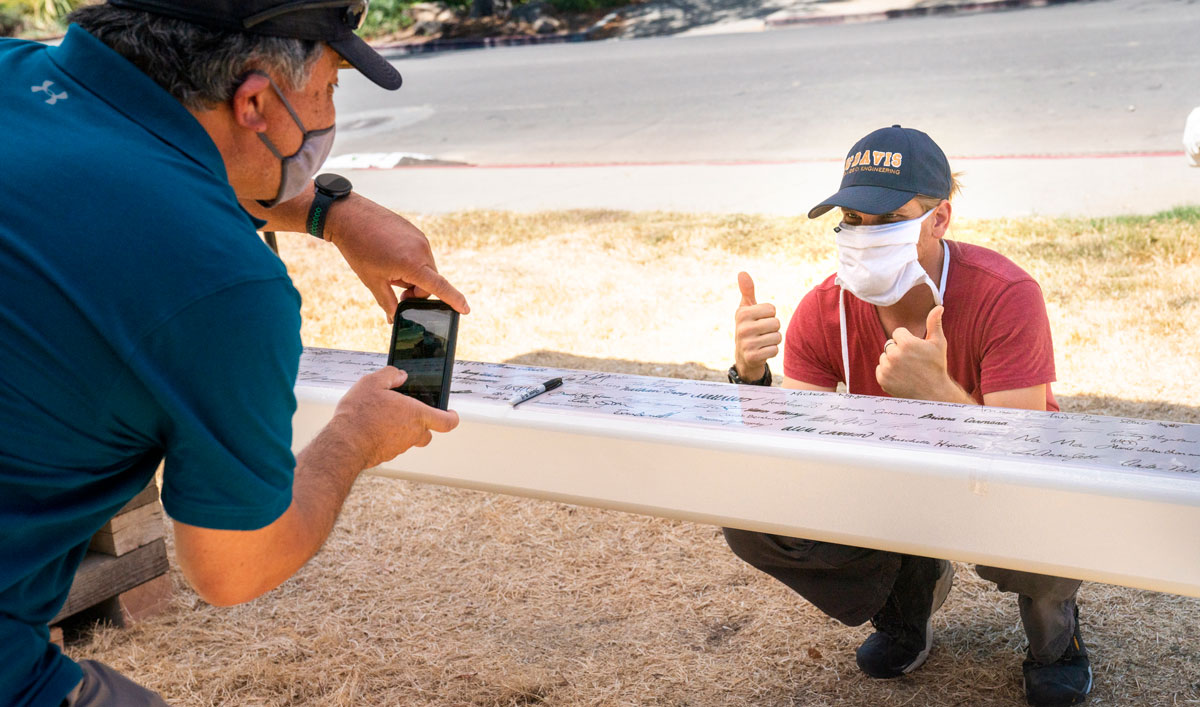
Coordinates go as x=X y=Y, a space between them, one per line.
x=915 y=368
x=757 y=336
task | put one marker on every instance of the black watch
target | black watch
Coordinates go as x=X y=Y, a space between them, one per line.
x=735 y=378
x=329 y=188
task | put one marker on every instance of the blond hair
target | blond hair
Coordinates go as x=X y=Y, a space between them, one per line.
x=931 y=202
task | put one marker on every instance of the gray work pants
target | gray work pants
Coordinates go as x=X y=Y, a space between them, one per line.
x=102 y=686
x=851 y=584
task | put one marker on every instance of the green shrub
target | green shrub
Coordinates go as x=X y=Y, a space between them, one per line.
x=10 y=21
x=35 y=16
x=41 y=11
x=386 y=16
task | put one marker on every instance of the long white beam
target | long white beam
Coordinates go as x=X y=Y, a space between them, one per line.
x=1103 y=499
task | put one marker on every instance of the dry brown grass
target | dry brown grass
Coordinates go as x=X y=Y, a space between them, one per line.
x=432 y=596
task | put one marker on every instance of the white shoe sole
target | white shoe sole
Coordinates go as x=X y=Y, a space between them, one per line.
x=941 y=589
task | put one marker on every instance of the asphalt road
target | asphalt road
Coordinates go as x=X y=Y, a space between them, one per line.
x=1110 y=76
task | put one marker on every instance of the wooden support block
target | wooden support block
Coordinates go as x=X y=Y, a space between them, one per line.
x=146 y=496
x=130 y=530
x=132 y=606
x=125 y=609
x=145 y=600
x=102 y=576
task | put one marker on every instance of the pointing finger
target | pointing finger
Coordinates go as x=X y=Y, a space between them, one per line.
x=432 y=281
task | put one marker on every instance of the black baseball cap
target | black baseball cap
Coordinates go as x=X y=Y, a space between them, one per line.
x=886 y=169
x=330 y=21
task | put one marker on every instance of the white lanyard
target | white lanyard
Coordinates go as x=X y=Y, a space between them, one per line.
x=842 y=311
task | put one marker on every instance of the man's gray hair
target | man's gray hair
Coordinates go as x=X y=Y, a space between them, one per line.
x=198 y=66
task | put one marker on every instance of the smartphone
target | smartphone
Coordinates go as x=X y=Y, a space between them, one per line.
x=423 y=336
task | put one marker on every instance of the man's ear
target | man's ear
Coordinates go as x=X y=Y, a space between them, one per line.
x=248 y=102
x=941 y=219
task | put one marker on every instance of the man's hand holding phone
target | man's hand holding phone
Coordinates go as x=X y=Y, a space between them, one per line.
x=379 y=425
x=372 y=419
x=424 y=334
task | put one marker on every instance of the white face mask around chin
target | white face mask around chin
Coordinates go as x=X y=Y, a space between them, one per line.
x=878 y=264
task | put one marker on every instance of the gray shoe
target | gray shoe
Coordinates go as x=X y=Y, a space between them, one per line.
x=904 y=626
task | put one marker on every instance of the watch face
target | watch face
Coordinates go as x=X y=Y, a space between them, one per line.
x=333 y=184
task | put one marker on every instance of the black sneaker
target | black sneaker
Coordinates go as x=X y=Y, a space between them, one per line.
x=1066 y=681
x=903 y=627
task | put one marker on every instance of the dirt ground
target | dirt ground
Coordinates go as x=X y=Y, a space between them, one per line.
x=432 y=596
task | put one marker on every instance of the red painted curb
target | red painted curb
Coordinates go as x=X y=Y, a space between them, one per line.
x=772 y=163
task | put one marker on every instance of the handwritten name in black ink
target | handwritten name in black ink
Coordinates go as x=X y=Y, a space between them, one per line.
x=931 y=416
x=907 y=440
x=846 y=433
x=980 y=421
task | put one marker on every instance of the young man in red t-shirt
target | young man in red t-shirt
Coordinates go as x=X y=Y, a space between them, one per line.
x=911 y=315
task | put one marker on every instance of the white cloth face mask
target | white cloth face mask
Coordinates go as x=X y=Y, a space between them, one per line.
x=878 y=264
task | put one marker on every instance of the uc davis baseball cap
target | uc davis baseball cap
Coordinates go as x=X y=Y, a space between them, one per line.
x=329 y=21
x=886 y=169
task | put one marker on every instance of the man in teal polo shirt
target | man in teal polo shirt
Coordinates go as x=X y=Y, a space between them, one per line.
x=143 y=320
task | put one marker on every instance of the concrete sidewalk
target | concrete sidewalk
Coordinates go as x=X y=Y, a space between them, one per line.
x=839 y=11
x=992 y=187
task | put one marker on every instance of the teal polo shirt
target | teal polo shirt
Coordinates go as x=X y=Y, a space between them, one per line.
x=141 y=320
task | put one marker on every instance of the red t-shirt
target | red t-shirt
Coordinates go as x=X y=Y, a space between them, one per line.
x=997 y=331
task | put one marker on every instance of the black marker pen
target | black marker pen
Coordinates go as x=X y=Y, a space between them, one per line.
x=548 y=385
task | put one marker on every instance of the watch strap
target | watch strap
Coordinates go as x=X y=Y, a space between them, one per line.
x=327 y=188
x=735 y=378
x=318 y=211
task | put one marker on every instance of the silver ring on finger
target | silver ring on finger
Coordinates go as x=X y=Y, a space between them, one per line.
x=889 y=342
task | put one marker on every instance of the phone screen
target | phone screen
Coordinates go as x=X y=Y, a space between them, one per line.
x=423 y=338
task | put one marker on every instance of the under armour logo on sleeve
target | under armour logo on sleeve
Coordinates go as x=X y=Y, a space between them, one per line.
x=53 y=96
